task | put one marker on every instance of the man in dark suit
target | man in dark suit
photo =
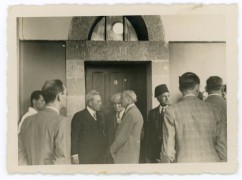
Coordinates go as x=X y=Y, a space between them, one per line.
x=44 y=138
x=112 y=122
x=126 y=146
x=155 y=121
x=88 y=144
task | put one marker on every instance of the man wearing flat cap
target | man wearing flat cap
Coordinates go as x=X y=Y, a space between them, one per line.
x=155 y=121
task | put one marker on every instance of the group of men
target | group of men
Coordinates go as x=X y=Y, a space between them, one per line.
x=189 y=131
x=97 y=140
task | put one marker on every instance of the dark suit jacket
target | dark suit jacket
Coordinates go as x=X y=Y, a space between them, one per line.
x=87 y=138
x=154 y=134
x=111 y=126
x=110 y=130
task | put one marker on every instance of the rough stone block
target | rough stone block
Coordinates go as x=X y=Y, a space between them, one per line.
x=117 y=50
x=96 y=50
x=155 y=28
x=158 y=50
x=75 y=69
x=76 y=50
x=75 y=86
x=137 y=51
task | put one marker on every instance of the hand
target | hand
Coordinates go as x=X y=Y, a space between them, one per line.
x=147 y=160
x=158 y=160
x=113 y=155
x=74 y=160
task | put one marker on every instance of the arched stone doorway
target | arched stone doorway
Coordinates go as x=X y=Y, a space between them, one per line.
x=149 y=48
x=147 y=27
x=85 y=57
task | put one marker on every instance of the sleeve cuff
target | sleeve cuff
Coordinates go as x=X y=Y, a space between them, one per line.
x=75 y=156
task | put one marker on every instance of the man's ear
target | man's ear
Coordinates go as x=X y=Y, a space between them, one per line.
x=58 y=97
x=197 y=87
x=34 y=101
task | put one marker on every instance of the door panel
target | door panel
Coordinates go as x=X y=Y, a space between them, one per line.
x=109 y=79
x=130 y=81
x=115 y=83
x=98 y=83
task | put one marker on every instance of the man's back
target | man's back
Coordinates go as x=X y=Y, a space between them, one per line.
x=31 y=111
x=218 y=100
x=44 y=139
x=199 y=131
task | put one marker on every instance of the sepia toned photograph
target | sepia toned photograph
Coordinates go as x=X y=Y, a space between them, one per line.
x=122 y=89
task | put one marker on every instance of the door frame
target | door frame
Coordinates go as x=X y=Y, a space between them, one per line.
x=147 y=65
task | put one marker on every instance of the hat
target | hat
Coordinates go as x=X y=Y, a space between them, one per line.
x=160 y=90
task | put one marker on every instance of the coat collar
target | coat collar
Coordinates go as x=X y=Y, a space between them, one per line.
x=50 y=108
x=129 y=107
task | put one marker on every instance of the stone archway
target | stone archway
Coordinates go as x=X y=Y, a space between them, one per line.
x=148 y=28
x=80 y=50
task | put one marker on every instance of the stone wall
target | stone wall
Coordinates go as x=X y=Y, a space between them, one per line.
x=77 y=52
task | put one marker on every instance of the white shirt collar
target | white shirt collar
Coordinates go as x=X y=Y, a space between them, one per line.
x=214 y=95
x=121 y=113
x=32 y=110
x=128 y=107
x=53 y=108
x=91 y=111
x=160 y=108
x=190 y=95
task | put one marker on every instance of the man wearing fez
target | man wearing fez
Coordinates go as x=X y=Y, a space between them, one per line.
x=155 y=121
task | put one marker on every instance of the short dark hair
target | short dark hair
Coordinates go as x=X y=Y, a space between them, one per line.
x=51 y=88
x=188 y=81
x=35 y=95
x=214 y=83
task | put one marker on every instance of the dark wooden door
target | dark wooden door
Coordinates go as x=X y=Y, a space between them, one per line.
x=110 y=78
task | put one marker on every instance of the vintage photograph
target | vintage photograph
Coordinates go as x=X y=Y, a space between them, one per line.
x=117 y=89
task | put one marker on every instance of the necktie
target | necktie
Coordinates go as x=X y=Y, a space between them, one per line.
x=118 y=118
x=94 y=116
x=160 y=124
